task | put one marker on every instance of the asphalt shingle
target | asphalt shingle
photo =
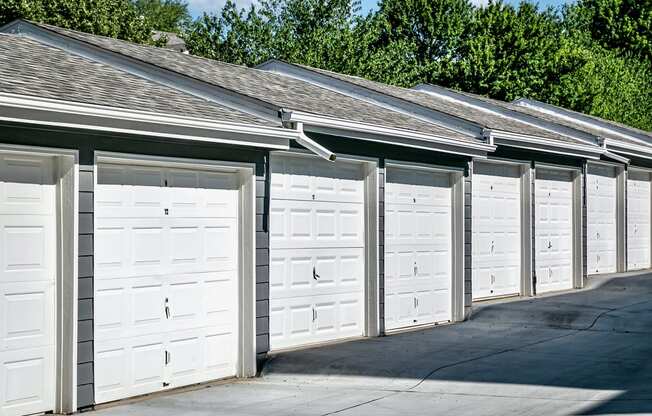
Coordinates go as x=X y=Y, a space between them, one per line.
x=451 y=107
x=31 y=68
x=280 y=91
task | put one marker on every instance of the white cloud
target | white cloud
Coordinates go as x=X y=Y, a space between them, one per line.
x=479 y=3
x=197 y=7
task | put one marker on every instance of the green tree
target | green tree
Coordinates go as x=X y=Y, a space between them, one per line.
x=601 y=82
x=313 y=32
x=432 y=28
x=506 y=52
x=113 y=18
x=624 y=25
x=165 y=15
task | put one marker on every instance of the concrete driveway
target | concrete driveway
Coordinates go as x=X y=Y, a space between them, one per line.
x=584 y=353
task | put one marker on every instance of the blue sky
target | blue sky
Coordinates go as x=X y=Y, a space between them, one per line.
x=199 y=6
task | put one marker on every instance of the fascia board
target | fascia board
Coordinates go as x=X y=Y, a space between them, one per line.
x=168 y=78
x=519 y=116
x=543 y=142
x=628 y=149
x=394 y=136
x=579 y=118
x=389 y=102
x=56 y=113
x=547 y=148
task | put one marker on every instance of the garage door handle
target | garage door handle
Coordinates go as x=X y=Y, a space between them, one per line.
x=549 y=244
x=597 y=235
x=314 y=273
x=314 y=315
x=168 y=357
x=167 y=309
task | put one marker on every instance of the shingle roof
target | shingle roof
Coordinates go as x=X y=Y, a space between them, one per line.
x=31 y=68
x=452 y=107
x=582 y=126
x=277 y=90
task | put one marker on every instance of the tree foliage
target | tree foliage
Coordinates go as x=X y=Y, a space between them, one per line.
x=165 y=15
x=114 y=18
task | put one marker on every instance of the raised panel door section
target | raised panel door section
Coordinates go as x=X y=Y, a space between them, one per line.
x=166 y=279
x=418 y=241
x=27 y=284
x=496 y=224
x=554 y=230
x=638 y=220
x=317 y=260
x=601 y=192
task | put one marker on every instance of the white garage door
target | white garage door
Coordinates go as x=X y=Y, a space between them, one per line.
x=496 y=230
x=554 y=230
x=638 y=220
x=418 y=256
x=317 y=259
x=27 y=285
x=601 y=192
x=166 y=279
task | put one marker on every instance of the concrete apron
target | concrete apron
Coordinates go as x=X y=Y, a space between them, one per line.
x=581 y=352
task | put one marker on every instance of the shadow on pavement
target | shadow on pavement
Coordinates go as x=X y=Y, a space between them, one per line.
x=592 y=346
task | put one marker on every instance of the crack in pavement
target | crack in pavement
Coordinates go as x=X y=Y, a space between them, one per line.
x=493 y=354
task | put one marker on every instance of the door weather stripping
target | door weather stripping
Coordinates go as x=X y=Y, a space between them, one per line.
x=312 y=145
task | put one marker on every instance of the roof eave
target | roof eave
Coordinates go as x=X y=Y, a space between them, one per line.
x=545 y=145
x=394 y=136
x=31 y=110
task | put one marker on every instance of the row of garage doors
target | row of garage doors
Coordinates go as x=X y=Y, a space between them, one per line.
x=167 y=254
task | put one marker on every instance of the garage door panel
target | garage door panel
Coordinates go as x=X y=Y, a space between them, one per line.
x=601 y=219
x=418 y=212
x=26 y=377
x=639 y=202
x=317 y=255
x=496 y=230
x=200 y=355
x=27 y=284
x=27 y=319
x=166 y=249
x=129 y=367
x=27 y=252
x=433 y=306
x=305 y=179
x=298 y=273
x=316 y=224
x=291 y=321
x=129 y=307
x=417 y=187
x=27 y=185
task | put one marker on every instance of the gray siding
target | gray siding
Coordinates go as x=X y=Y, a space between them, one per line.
x=533 y=184
x=85 y=396
x=262 y=265
x=585 y=271
x=468 y=238
x=381 y=247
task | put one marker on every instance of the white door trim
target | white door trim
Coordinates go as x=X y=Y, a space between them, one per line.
x=67 y=206
x=526 y=217
x=247 y=226
x=578 y=197
x=372 y=231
